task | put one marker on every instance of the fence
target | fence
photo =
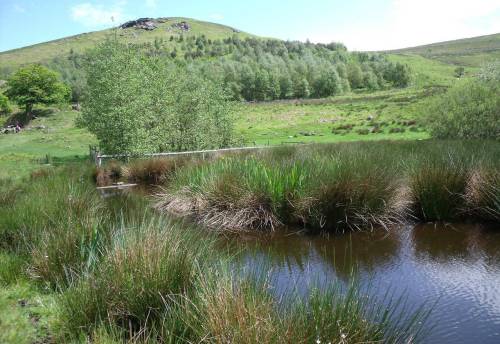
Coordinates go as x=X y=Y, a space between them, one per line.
x=98 y=158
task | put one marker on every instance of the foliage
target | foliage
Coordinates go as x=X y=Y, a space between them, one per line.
x=470 y=110
x=5 y=107
x=36 y=84
x=139 y=103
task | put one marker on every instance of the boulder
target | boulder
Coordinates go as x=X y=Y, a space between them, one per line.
x=183 y=26
x=141 y=23
x=75 y=107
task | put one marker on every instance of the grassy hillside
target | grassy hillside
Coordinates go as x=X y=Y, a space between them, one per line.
x=44 y=52
x=471 y=52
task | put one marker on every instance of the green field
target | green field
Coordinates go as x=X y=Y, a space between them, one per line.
x=59 y=141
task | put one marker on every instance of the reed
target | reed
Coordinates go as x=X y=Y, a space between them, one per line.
x=154 y=171
x=339 y=187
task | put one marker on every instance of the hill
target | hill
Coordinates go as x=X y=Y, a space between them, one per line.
x=161 y=29
x=468 y=52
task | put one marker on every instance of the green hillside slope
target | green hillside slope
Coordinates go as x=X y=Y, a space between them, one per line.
x=471 y=52
x=165 y=27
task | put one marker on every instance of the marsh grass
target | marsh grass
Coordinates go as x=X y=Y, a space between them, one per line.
x=120 y=272
x=155 y=171
x=339 y=187
x=147 y=262
x=438 y=189
x=483 y=194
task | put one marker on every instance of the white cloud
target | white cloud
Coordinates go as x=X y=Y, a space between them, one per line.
x=151 y=3
x=409 y=23
x=217 y=16
x=96 y=15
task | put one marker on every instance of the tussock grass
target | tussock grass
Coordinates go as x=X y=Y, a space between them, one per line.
x=438 y=188
x=154 y=171
x=146 y=263
x=122 y=273
x=339 y=187
x=483 y=194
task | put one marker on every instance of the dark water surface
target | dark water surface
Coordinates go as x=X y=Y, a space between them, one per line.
x=456 y=266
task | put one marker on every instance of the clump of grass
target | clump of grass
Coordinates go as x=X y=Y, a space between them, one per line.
x=225 y=310
x=438 y=187
x=55 y=220
x=147 y=263
x=351 y=194
x=154 y=171
x=221 y=195
x=482 y=195
x=107 y=175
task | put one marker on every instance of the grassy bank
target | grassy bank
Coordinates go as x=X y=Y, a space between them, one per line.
x=80 y=268
x=341 y=187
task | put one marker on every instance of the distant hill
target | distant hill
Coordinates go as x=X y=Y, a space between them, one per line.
x=471 y=52
x=157 y=29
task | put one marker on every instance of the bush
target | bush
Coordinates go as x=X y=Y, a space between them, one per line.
x=470 y=110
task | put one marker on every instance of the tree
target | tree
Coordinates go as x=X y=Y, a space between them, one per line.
x=4 y=105
x=328 y=84
x=355 y=75
x=138 y=103
x=302 y=89
x=370 y=81
x=36 y=84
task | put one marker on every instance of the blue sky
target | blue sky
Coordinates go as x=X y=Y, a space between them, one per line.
x=360 y=24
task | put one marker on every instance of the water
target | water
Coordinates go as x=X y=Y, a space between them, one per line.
x=455 y=269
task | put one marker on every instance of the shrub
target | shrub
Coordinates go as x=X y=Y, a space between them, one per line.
x=470 y=110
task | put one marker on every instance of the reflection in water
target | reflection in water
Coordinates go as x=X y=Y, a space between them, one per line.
x=456 y=266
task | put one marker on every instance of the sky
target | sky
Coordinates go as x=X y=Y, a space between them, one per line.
x=359 y=24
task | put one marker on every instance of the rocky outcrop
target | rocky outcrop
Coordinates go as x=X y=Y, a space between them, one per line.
x=183 y=26
x=141 y=23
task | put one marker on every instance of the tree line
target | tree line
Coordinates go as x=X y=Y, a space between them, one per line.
x=256 y=69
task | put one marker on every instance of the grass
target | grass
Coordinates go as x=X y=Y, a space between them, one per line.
x=339 y=187
x=80 y=268
x=471 y=52
x=262 y=123
x=59 y=142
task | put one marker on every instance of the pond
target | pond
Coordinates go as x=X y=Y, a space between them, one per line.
x=455 y=269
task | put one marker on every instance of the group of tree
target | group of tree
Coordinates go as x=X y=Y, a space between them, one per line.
x=262 y=69
x=137 y=102
x=470 y=109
